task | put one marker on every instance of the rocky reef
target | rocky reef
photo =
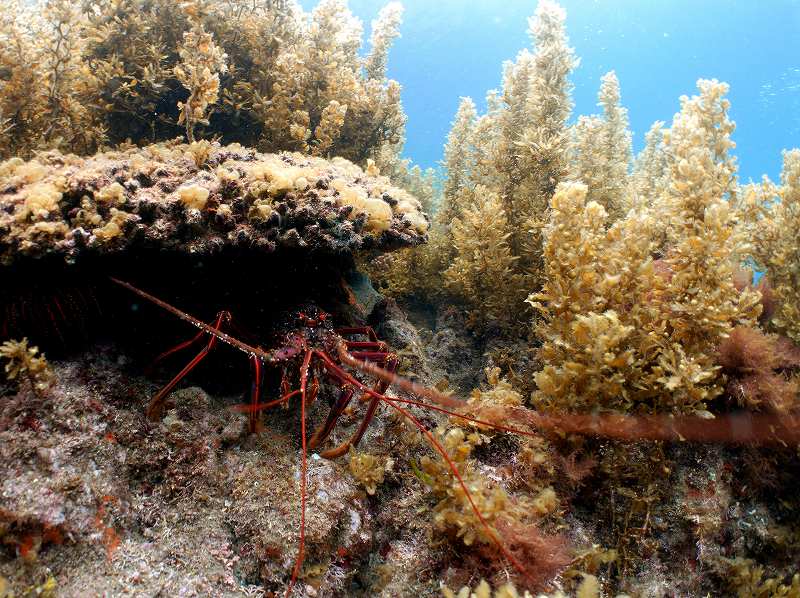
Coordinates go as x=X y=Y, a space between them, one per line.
x=606 y=398
x=198 y=199
x=97 y=499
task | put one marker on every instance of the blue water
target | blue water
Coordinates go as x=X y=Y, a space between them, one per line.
x=659 y=48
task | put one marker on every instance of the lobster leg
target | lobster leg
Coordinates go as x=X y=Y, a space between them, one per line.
x=313 y=390
x=250 y=408
x=322 y=432
x=222 y=317
x=156 y=405
x=255 y=394
x=391 y=362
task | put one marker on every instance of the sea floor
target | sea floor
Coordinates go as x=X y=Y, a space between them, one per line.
x=95 y=500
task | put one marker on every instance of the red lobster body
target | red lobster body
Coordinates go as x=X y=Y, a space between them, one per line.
x=314 y=338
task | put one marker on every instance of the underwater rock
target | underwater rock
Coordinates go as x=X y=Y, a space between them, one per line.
x=452 y=352
x=103 y=502
x=392 y=325
x=197 y=199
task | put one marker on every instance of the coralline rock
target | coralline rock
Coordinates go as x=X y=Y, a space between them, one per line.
x=197 y=199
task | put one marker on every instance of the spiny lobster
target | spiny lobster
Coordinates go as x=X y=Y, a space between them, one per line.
x=317 y=342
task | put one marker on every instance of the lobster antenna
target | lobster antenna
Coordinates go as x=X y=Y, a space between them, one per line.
x=304 y=472
x=439 y=449
x=736 y=428
x=399 y=381
x=225 y=338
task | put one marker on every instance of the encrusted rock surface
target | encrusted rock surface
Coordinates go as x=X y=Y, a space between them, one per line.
x=97 y=500
x=198 y=199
